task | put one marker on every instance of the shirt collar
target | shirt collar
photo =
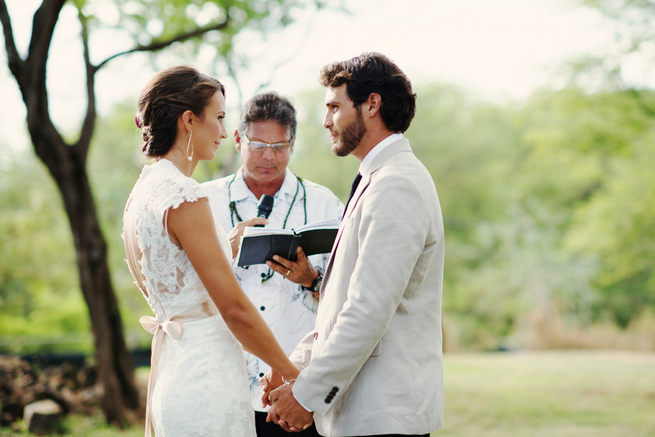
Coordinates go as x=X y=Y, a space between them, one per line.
x=240 y=190
x=365 y=166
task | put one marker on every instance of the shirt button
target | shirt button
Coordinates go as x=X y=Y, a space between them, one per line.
x=262 y=307
x=261 y=374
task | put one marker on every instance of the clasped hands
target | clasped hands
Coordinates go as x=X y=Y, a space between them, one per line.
x=285 y=409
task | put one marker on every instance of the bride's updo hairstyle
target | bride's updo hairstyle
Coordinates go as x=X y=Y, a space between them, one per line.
x=166 y=96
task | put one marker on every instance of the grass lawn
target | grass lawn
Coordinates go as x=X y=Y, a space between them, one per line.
x=539 y=394
x=523 y=394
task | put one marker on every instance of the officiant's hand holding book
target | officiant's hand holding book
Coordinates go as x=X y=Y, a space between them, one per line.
x=258 y=245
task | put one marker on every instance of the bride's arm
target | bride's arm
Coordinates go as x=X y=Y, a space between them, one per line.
x=192 y=226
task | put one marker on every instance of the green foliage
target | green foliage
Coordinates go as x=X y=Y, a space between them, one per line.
x=538 y=207
x=590 y=155
x=39 y=291
x=616 y=226
x=634 y=35
x=548 y=209
x=155 y=24
x=634 y=17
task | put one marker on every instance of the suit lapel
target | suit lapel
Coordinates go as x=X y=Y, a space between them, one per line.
x=363 y=185
x=402 y=145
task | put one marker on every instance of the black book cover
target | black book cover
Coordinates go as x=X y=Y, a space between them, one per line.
x=260 y=244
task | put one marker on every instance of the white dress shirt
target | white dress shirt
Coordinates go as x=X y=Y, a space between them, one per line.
x=365 y=165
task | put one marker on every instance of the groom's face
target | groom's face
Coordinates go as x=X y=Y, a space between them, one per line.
x=343 y=120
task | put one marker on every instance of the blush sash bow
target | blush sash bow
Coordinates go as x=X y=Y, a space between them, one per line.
x=172 y=327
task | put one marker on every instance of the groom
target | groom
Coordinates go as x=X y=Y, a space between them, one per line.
x=373 y=364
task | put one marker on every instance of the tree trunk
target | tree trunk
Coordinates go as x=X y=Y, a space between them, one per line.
x=67 y=165
x=115 y=365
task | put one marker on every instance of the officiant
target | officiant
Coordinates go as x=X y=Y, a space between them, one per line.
x=285 y=292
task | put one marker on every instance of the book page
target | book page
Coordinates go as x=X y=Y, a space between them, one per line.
x=323 y=224
x=252 y=230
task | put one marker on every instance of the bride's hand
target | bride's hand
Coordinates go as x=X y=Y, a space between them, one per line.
x=269 y=382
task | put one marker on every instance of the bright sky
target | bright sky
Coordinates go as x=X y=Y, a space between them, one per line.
x=497 y=49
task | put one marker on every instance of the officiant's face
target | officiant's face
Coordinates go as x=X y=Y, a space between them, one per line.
x=267 y=166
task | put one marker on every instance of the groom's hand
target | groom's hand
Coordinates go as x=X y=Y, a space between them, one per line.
x=287 y=412
x=269 y=382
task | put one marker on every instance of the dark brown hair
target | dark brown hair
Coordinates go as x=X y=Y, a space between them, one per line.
x=375 y=73
x=166 y=96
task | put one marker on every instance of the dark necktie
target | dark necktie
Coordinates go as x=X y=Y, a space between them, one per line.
x=352 y=190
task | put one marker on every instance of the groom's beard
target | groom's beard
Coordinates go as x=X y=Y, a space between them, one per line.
x=350 y=136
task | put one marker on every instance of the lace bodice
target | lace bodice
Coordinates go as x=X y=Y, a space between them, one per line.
x=162 y=270
x=200 y=385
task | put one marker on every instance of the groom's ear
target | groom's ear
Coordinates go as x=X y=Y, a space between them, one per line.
x=372 y=105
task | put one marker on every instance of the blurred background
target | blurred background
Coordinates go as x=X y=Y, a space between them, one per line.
x=535 y=119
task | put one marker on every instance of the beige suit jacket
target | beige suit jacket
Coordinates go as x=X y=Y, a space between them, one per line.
x=374 y=363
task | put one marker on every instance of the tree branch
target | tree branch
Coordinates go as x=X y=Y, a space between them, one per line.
x=43 y=26
x=34 y=92
x=13 y=58
x=158 y=45
x=88 y=125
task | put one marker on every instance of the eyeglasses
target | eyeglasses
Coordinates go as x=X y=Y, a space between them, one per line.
x=259 y=146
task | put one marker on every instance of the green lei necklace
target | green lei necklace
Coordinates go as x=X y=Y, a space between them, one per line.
x=234 y=213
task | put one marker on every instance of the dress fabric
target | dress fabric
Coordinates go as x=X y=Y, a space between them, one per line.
x=199 y=381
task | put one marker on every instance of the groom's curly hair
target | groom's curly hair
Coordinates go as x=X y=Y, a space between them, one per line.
x=375 y=73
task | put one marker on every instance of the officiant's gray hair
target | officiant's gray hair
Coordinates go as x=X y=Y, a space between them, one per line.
x=268 y=106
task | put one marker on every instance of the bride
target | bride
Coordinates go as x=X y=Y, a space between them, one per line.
x=180 y=260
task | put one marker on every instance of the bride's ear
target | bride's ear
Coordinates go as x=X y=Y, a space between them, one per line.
x=187 y=119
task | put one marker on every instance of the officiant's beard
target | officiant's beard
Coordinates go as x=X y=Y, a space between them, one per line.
x=351 y=135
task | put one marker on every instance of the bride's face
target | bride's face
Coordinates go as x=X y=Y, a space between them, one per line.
x=209 y=131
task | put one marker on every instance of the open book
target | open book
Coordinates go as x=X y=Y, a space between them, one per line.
x=260 y=244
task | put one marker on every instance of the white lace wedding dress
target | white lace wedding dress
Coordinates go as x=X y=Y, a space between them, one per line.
x=198 y=381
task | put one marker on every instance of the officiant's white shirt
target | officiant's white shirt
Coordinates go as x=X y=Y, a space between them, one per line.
x=288 y=310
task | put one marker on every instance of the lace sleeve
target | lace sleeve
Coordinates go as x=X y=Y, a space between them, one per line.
x=173 y=192
x=165 y=266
